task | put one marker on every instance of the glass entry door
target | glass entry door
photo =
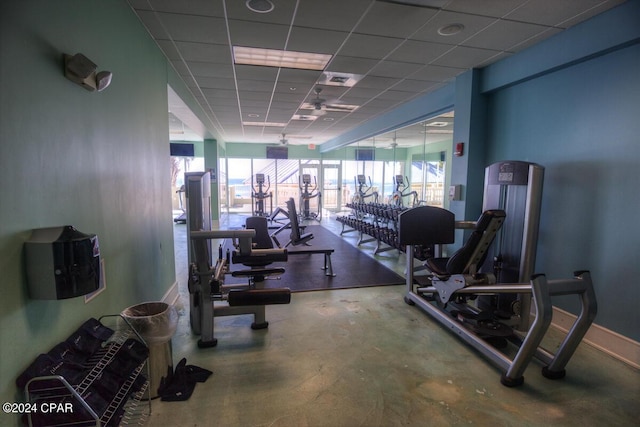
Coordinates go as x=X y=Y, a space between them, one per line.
x=332 y=187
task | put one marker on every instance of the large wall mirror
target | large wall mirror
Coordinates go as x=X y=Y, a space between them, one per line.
x=408 y=166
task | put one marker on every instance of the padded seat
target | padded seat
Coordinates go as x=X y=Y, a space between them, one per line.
x=471 y=256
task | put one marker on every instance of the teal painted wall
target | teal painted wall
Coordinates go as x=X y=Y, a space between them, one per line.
x=97 y=161
x=581 y=123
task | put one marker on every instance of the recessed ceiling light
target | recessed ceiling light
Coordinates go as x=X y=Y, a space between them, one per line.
x=437 y=124
x=280 y=58
x=260 y=6
x=328 y=119
x=450 y=30
x=253 y=116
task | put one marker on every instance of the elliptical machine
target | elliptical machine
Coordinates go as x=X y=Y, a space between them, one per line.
x=259 y=195
x=306 y=195
x=403 y=190
x=364 y=191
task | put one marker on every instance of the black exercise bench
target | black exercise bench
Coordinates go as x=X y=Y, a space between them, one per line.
x=299 y=238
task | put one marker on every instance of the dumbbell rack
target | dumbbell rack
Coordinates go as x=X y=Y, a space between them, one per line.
x=375 y=222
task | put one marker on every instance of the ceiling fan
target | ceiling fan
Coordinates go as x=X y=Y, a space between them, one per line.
x=320 y=106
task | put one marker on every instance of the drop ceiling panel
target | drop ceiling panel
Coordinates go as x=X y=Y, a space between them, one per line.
x=200 y=52
x=494 y=36
x=204 y=69
x=472 y=24
x=368 y=46
x=282 y=13
x=552 y=12
x=350 y=64
x=395 y=48
x=414 y=85
x=419 y=52
x=337 y=15
x=258 y=34
x=215 y=82
x=495 y=8
x=315 y=40
x=465 y=57
x=191 y=28
x=436 y=73
x=410 y=19
x=395 y=69
x=206 y=8
x=252 y=72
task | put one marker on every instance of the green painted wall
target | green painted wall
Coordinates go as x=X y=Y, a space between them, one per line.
x=97 y=161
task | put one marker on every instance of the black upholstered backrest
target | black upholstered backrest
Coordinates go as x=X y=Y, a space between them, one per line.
x=468 y=258
x=261 y=240
x=296 y=238
x=426 y=225
x=293 y=219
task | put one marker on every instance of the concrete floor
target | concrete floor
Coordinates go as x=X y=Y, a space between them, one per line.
x=362 y=357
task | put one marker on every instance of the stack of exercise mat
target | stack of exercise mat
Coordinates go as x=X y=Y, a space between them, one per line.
x=103 y=372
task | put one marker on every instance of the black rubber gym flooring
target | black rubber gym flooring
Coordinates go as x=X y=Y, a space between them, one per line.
x=351 y=267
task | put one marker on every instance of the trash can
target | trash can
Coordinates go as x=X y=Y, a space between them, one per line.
x=156 y=322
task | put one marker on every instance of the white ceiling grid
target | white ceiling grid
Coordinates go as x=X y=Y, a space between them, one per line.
x=394 y=45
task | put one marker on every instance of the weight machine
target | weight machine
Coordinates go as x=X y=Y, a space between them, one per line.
x=209 y=297
x=259 y=195
x=364 y=191
x=305 y=198
x=463 y=291
x=397 y=198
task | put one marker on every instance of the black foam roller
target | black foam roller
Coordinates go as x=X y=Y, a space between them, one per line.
x=259 y=297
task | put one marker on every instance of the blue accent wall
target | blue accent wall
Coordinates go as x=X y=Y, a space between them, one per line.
x=582 y=122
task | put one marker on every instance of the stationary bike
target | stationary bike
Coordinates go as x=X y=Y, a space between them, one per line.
x=259 y=195
x=403 y=190
x=306 y=195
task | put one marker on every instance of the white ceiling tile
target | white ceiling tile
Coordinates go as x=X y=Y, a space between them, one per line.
x=551 y=12
x=377 y=20
x=395 y=47
x=395 y=69
x=465 y=57
x=367 y=46
x=503 y=34
x=472 y=24
x=315 y=40
x=257 y=34
x=494 y=8
x=337 y=15
x=436 y=73
x=419 y=52
x=192 y=28
x=350 y=64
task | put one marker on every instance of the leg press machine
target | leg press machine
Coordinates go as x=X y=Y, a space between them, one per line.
x=211 y=298
x=487 y=313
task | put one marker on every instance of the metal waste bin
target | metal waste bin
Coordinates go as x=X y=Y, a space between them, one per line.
x=156 y=322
